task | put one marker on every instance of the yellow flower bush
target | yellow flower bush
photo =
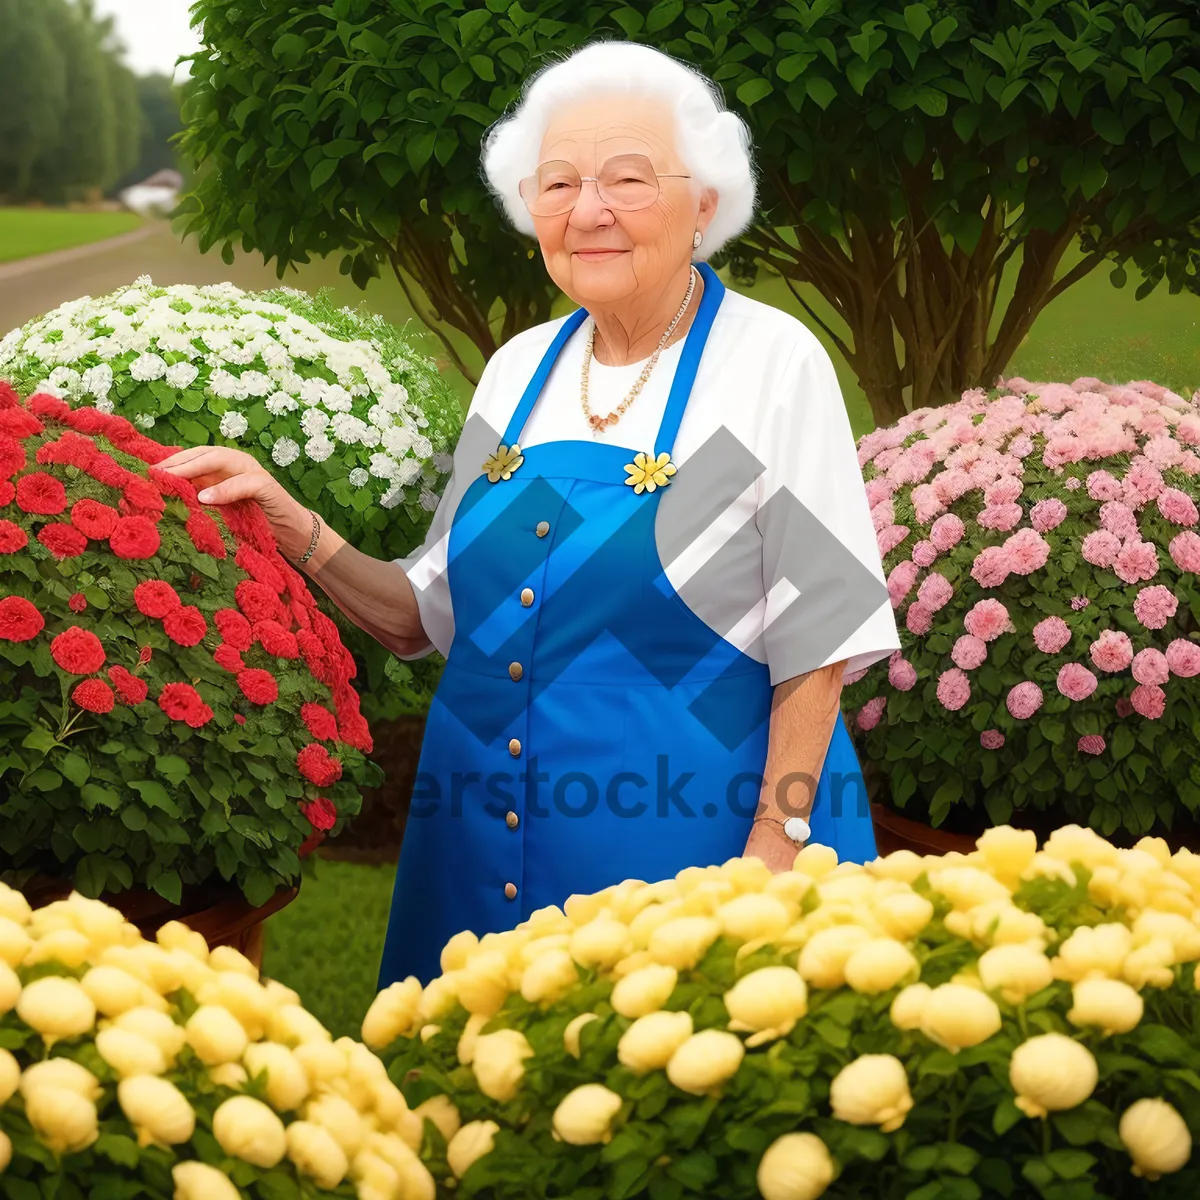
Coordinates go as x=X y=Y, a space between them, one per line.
x=161 y=1070
x=1012 y=1022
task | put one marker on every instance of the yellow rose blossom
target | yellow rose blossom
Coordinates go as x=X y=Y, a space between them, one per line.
x=747 y=874
x=644 y=991
x=322 y=1062
x=6 y=1151
x=796 y=1166
x=150 y=964
x=499 y=1063
x=392 y=1013
x=1016 y=972
x=1000 y=923
x=584 y=1116
x=13 y=906
x=967 y=887
x=1156 y=1137
x=1051 y=1073
x=647 y=1045
x=909 y=1006
x=753 y=915
x=175 y=935
x=573 y=1030
x=56 y=1008
x=230 y=1075
x=287 y=1082
x=600 y=942
x=767 y=1003
x=438 y=998
x=901 y=914
x=880 y=965
x=705 y=1061
x=442 y=1112
x=129 y=1053
x=243 y=997
x=789 y=886
x=469 y=1144
x=1175 y=928
x=428 y=1032
x=10 y=1077
x=314 y=1152
x=62 y=1073
x=1110 y=1004
x=1093 y=952
x=1075 y=844
x=198 y=1181
x=341 y=1118
x=903 y=865
x=416 y=1183
x=63 y=1120
x=1007 y=852
x=216 y=1036
x=68 y=947
x=872 y=1090
x=293 y=1026
x=157 y=1109
x=683 y=942
x=815 y=861
x=482 y=984
x=550 y=975
x=456 y=951
x=247 y=1129
x=823 y=960
x=14 y=942
x=1150 y=965
x=10 y=988
x=375 y=1177
x=853 y=890
x=958 y=1017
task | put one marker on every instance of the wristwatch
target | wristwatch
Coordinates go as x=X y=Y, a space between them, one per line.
x=797 y=829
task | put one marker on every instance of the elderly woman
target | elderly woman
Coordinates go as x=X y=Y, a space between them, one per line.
x=654 y=564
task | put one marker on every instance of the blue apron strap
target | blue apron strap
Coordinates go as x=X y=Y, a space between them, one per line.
x=689 y=360
x=516 y=424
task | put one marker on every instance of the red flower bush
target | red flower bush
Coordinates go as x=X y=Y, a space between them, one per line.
x=166 y=659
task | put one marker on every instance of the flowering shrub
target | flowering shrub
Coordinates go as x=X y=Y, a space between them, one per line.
x=159 y=1069
x=173 y=705
x=337 y=405
x=1004 y=1023
x=1040 y=545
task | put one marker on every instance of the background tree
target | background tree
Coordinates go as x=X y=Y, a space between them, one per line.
x=158 y=100
x=921 y=162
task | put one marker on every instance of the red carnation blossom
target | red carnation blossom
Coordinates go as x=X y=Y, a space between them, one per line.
x=321 y=723
x=12 y=538
x=139 y=445
x=93 y=519
x=206 y=535
x=259 y=687
x=316 y=765
x=130 y=688
x=315 y=657
x=142 y=496
x=78 y=603
x=45 y=405
x=107 y=471
x=227 y=657
x=321 y=813
x=8 y=395
x=86 y=420
x=174 y=485
x=276 y=640
x=70 y=449
x=94 y=695
x=77 y=651
x=41 y=493
x=309 y=844
x=19 y=423
x=256 y=600
x=8 y=493
x=239 y=718
x=177 y=700
x=20 y=621
x=234 y=628
x=12 y=457
x=135 y=537
x=116 y=428
x=355 y=731
x=185 y=626
x=156 y=598
x=199 y=716
x=260 y=567
x=63 y=540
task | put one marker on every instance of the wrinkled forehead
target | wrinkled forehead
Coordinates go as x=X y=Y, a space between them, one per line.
x=587 y=133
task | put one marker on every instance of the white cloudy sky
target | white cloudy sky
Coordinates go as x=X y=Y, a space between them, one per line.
x=154 y=32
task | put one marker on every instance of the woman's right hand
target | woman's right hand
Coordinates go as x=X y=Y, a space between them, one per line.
x=223 y=475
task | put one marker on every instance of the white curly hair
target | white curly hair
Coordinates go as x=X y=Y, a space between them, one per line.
x=713 y=142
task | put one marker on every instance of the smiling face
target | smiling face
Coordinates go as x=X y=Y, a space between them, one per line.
x=601 y=255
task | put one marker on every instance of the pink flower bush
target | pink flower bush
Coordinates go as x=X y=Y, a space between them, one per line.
x=1040 y=542
x=869 y=714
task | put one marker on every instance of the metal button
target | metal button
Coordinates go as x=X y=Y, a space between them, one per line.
x=514 y=747
x=543 y=528
x=527 y=596
x=515 y=671
x=512 y=820
x=510 y=890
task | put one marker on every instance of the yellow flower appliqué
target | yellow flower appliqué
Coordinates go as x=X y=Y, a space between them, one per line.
x=647 y=472
x=503 y=463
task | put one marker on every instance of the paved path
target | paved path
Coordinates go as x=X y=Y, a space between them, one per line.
x=42 y=262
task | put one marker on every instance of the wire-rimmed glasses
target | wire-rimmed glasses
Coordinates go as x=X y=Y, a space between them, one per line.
x=625 y=182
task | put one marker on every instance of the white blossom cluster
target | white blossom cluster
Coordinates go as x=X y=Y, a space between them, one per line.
x=238 y=349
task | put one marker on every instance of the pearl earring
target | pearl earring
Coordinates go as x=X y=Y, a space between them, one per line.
x=697 y=238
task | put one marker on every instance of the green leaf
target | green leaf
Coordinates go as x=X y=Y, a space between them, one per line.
x=1108 y=125
x=1069 y=1164
x=134 y=819
x=155 y=795
x=75 y=767
x=1007 y=1115
x=918 y=20
x=172 y=767
x=472 y=23
x=483 y=67
x=754 y=90
x=821 y=91
x=1122 y=743
x=322 y=173
x=169 y=886
x=942 y=30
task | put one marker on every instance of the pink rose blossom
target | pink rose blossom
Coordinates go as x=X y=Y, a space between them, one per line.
x=855 y=676
x=1047 y=515
x=1103 y=486
x=946 y=532
x=1149 y=700
x=1051 y=635
x=1118 y=518
x=1024 y=700
x=1163 y=450
x=1017 y=385
x=883 y=515
x=1112 y=651
x=1004 y=491
x=1188 y=430
x=1076 y=682
x=1001 y=516
x=1185 y=551
x=1062 y=450
x=900 y=581
x=952 y=485
x=1155 y=606
x=992 y=566
x=1022 y=446
x=1090 y=743
x=969 y=652
x=935 y=592
x=869 y=714
x=885 y=458
x=1136 y=562
x=1183 y=658
x=927 y=503
x=878 y=489
x=1100 y=548
x=1079 y=603
x=991 y=739
x=988 y=619
x=1150 y=666
x=902 y=675
x=1142 y=483
x=1124 y=708
x=1073 y=484
x=953 y=689
x=1027 y=551
x=918 y=619
x=924 y=554
x=888 y=539
x=1177 y=507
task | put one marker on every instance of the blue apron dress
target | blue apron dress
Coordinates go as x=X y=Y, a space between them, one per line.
x=588 y=727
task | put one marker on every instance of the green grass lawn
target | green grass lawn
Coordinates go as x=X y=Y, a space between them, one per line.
x=25 y=232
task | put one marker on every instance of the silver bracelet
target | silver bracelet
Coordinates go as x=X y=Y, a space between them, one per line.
x=312 y=545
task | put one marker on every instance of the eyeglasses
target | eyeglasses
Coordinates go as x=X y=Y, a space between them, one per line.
x=627 y=182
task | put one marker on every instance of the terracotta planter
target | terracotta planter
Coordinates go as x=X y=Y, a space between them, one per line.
x=894 y=832
x=224 y=918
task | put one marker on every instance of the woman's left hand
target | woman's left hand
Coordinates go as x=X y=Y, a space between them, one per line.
x=768 y=842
